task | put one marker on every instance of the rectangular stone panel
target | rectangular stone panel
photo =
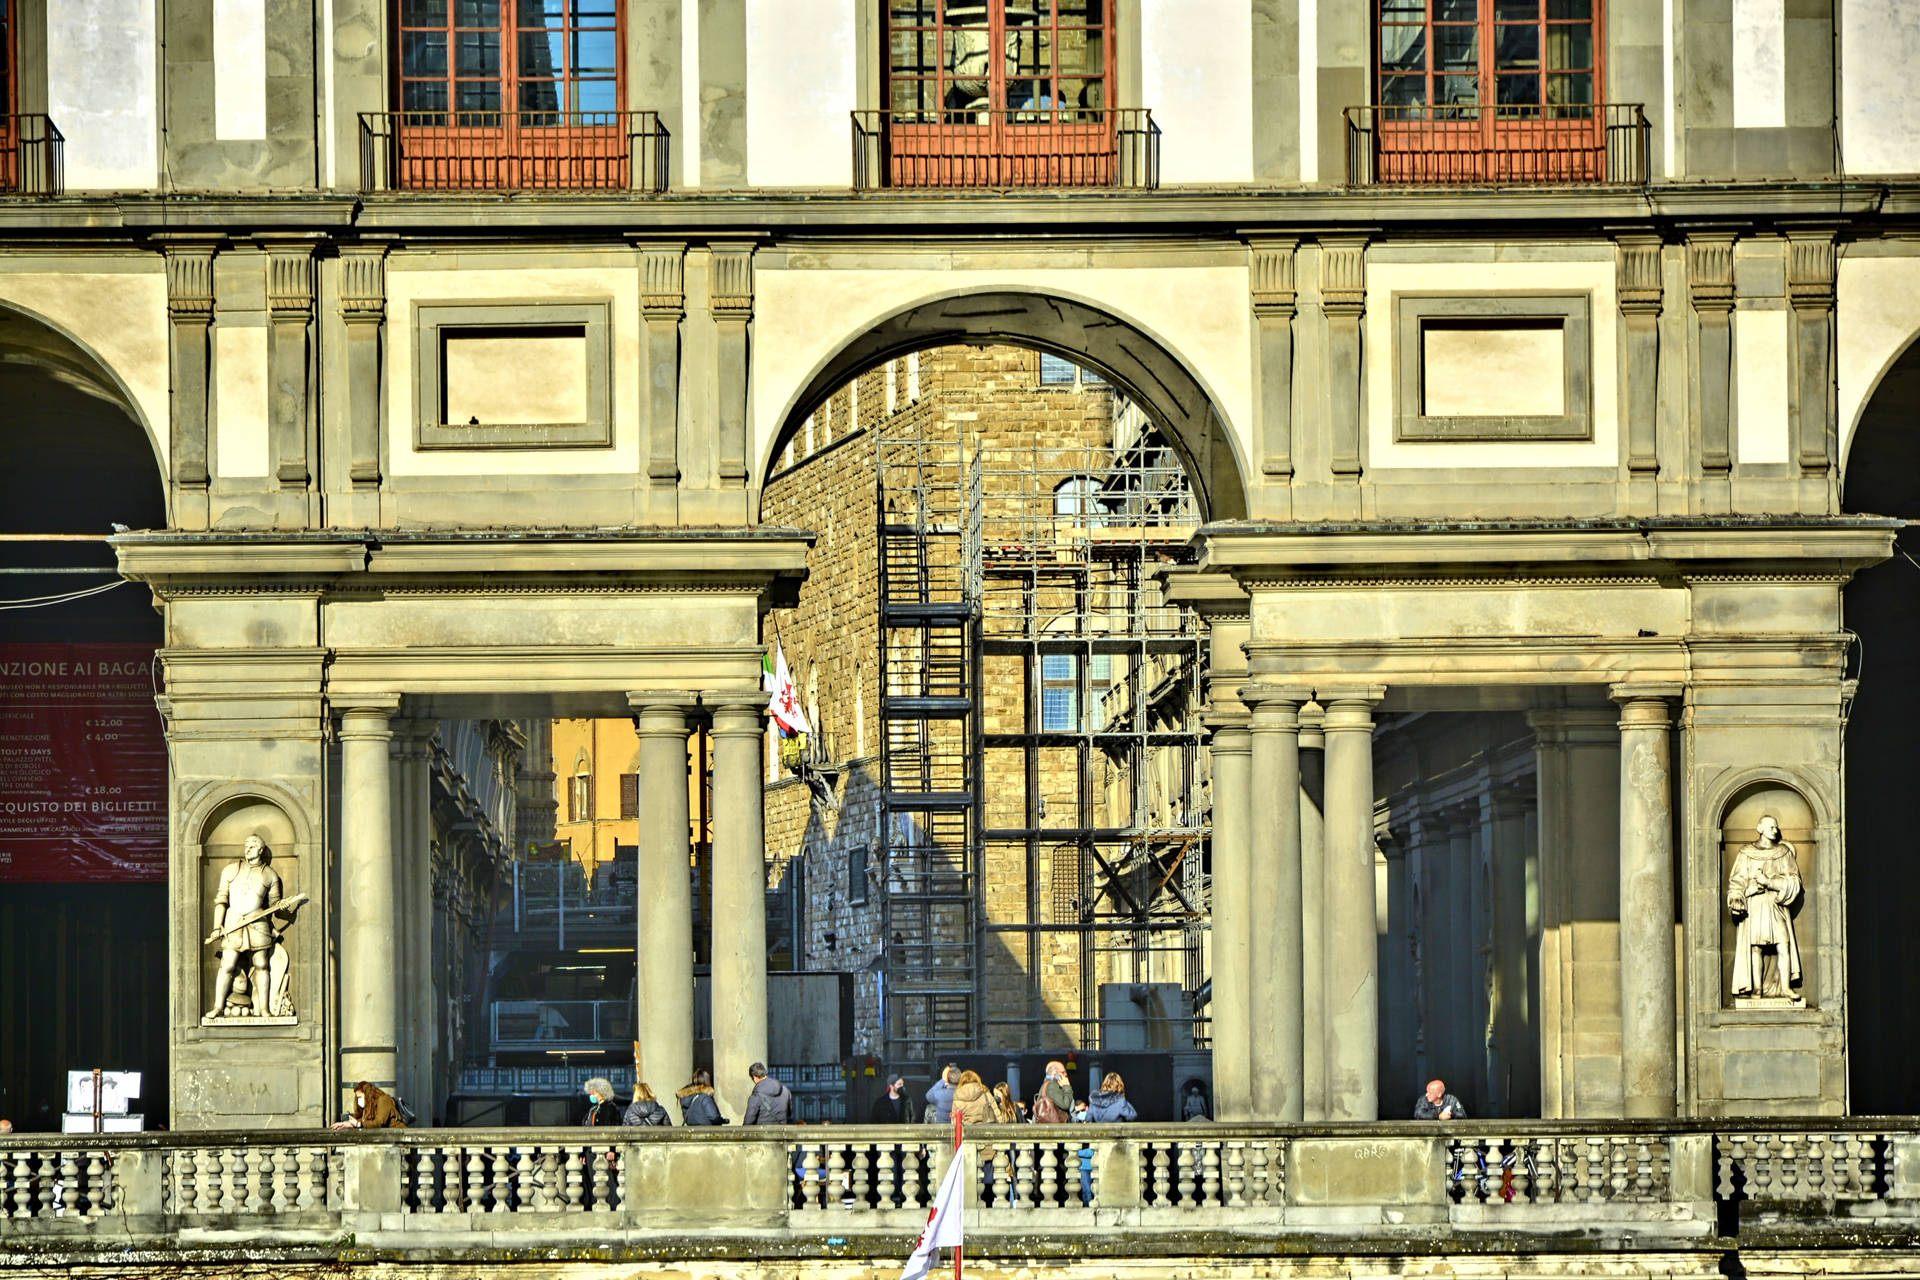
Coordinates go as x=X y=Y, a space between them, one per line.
x=521 y=376
x=513 y=375
x=1507 y=367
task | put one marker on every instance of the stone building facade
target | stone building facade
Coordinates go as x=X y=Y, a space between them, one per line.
x=1587 y=410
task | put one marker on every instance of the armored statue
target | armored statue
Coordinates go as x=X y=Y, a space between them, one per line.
x=249 y=917
x=1762 y=893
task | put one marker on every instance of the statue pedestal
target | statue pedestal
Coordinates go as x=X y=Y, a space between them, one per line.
x=207 y=1020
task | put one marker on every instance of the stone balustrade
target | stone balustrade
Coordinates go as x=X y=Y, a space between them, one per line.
x=865 y=1191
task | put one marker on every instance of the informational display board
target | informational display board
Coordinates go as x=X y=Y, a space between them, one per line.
x=83 y=764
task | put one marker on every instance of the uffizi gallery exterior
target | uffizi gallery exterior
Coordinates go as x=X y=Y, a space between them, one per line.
x=1540 y=373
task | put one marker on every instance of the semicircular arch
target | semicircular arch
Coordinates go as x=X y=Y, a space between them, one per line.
x=1138 y=361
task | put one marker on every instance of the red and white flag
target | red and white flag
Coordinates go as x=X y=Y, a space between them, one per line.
x=943 y=1224
x=783 y=704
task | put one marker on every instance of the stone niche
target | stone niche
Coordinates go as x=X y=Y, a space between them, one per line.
x=1797 y=827
x=222 y=843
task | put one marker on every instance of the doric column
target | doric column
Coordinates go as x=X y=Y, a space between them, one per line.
x=732 y=316
x=1273 y=302
x=739 y=896
x=1232 y=891
x=663 y=306
x=1710 y=283
x=665 y=946
x=363 y=309
x=1343 y=297
x=369 y=966
x=1274 y=921
x=1514 y=1063
x=1648 y=1001
x=290 y=316
x=1353 y=1001
x=1313 y=915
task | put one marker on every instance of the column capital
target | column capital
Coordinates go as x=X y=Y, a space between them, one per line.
x=368 y=715
x=659 y=704
x=1275 y=706
x=1350 y=707
x=1645 y=705
x=741 y=712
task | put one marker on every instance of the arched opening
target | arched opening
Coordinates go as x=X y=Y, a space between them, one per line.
x=1140 y=366
x=1882 y=609
x=85 y=879
x=1029 y=801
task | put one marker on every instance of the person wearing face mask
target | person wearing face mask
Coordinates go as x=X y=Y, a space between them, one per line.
x=601 y=1108
x=373 y=1108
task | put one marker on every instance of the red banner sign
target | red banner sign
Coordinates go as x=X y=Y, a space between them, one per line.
x=83 y=764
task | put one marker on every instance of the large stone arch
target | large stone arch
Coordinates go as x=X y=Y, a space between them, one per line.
x=45 y=368
x=1881 y=607
x=1122 y=351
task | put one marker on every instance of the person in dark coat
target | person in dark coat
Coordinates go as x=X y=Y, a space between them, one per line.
x=771 y=1102
x=645 y=1108
x=697 y=1105
x=940 y=1096
x=891 y=1106
x=602 y=1110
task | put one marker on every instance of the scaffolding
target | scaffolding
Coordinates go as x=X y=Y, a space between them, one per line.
x=1042 y=746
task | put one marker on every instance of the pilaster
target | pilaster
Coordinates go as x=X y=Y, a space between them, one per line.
x=190 y=319
x=1639 y=287
x=289 y=376
x=1272 y=265
x=663 y=307
x=1343 y=298
x=1710 y=288
x=363 y=310
x=732 y=303
x=1812 y=410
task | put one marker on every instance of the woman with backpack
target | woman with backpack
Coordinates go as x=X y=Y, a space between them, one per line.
x=697 y=1105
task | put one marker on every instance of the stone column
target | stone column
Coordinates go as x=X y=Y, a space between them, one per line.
x=1513 y=1063
x=1649 y=1074
x=369 y=966
x=1399 y=1021
x=1230 y=1007
x=739 y=897
x=1464 y=992
x=1710 y=283
x=1313 y=911
x=1353 y=1002
x=190 y=313
x=665 y=946
x=1274 y=912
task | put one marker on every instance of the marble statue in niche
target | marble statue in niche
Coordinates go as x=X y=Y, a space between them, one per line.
x=249 y=917
x=1763 y=892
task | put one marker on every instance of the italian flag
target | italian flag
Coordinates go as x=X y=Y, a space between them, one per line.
x=782 y=703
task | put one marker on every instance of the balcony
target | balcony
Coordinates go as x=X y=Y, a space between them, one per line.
x=1510 y=145
x=32 y=156
x=513 y=151
x=1033 y=147
x=1692 y=1192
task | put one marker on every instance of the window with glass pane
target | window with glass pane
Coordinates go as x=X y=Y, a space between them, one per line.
x=950 y=57
x=543 y=58
x=1059 y=693
x=1527 y=58
x=7 y=105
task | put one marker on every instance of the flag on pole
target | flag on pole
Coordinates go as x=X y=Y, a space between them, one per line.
x=782 y=703
x=943 y=1224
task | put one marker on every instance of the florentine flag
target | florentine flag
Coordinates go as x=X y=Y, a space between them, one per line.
x=782 y=703
x=943 y=1224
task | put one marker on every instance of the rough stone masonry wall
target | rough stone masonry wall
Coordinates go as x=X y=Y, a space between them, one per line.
x=827 y=482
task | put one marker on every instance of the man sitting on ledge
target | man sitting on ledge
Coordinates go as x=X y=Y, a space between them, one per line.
x=1438 y=1104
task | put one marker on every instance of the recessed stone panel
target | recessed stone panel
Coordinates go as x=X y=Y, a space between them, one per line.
x=534 y=376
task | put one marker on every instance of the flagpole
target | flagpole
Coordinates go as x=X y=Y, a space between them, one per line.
x=958 y=1130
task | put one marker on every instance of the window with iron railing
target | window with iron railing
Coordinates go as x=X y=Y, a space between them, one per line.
x=1493 y=91
x=510 y=93
x=1007 y=93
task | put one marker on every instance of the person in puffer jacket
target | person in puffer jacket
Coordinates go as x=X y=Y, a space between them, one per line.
x=645 y=1108
x=940 y=1096
x=1110 y=1104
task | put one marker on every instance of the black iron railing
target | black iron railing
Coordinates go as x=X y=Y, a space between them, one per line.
x=1468 y=144
x=1035 y=147
x=513 y=151
x=32 y=156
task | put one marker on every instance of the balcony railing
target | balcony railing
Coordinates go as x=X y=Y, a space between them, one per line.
x=1512 y=145
x=513 y=151
x=1037 y=147
x=32 y=156
x=1535 y=1187
x=560 y=1024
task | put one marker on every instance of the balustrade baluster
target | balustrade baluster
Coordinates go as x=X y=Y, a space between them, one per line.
x=452 y=1181
x=500 y=1183
x=886 y=1177
x=1789 y=1168
x=859 y=1180
x=253 y=1179
x=1235 y=1179
x=1049 y=1190
x=69 y=1175
x=300 y=1195
x=912 y=1178
x=576 y=1178
x=421 y=1159
x=1183 y=1154
x=1725 y=1148
x=810 y=1178
x=834 y=1191
x=100 y=1197
x=232 y=1171
x=476 y=1199
x=1260 y=1159
x=47 y=1174
x=1021 y=1170
x=1210 y=1174
x=526 y=1180
x=603 y=1179
x=22 y=1186
x=1162 y=1183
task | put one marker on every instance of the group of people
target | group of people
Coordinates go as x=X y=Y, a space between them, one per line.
x=770 y=1102
x=965 y=1094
